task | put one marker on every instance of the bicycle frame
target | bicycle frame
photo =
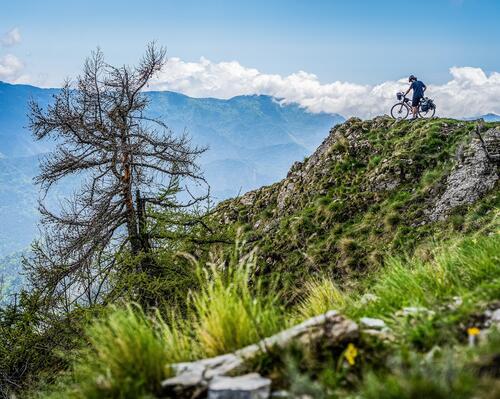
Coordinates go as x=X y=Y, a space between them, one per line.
x=406 y=104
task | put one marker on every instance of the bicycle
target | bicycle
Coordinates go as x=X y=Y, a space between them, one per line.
x=401 y=110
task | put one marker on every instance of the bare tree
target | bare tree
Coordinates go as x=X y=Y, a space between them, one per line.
x=103 y=135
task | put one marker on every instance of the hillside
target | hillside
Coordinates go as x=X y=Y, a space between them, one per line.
x=394 y=225
x=372 y=189
x=370 y=271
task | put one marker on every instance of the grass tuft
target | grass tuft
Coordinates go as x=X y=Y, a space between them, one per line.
x=321 y=296
x=233 y=308
x=126 y=358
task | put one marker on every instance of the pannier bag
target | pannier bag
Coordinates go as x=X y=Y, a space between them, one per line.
x=426 y=104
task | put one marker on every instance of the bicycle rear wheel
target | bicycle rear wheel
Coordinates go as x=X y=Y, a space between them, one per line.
x=427 y=114
x=400 y=111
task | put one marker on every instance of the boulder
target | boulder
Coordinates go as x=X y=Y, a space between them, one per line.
x=373 y=324
x=248 y=386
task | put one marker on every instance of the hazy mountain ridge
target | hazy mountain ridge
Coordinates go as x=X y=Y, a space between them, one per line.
x=252 y=142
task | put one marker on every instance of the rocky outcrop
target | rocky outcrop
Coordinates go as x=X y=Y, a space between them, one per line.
x=306 y=179
x=196 y=379
x=475 y=174
x=377 y=184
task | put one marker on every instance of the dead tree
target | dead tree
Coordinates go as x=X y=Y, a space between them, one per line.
x=104 y=137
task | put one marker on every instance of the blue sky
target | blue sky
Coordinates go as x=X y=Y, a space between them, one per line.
x=363 y=42
x=355 y=40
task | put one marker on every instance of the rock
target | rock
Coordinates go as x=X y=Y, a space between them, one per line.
x=492 y=318
x=495 y=317
x=471 y=178
x=249 y=386
x=381 y=335
x=330 y=328
x=374 y=324
x=280 y=394
x=189 y=384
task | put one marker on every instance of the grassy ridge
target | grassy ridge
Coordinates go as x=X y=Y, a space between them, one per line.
x=367 y=197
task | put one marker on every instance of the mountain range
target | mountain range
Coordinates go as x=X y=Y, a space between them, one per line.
x=251 y=140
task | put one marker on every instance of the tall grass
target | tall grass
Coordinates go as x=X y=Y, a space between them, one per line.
x=129 y=352
x=126 y=357
x=233 y=308
x=455 y=269
x=322 y=295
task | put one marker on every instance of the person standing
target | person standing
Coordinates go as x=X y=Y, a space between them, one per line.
x=418 y=88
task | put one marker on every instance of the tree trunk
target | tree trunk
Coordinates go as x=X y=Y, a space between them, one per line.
x=141 y=222
x=132 y=228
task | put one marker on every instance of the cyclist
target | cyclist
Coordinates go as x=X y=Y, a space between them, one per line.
x=418 y=88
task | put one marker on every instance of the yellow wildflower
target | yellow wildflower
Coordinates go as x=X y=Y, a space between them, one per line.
x=473 y=331
x=350 y=354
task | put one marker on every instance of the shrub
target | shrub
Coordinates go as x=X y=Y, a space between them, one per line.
x=415 y=377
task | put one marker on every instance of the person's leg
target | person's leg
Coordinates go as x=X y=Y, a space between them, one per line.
x=414 y=105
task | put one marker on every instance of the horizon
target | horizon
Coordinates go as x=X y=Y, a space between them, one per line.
x=236 y=96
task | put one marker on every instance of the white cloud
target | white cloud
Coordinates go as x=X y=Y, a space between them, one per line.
x=470 y=91
x=11 y=69
x=11 y=38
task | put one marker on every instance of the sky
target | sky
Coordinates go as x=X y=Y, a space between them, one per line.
x=346 y=56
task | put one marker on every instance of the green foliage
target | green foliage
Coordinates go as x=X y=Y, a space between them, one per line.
x=451 y=373
x=29 y=352
x=321 y=296
x=165 y=287
x=127 y=357
x=416 y=377
x=455 y=270
x=234 y=309
x=129 y=351
x=342 y=223
x=332 y=245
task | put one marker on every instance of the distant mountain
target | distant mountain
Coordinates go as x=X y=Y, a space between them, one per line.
x=15 y=140
x=487 y=118
x=252 y=140
x=491 y=118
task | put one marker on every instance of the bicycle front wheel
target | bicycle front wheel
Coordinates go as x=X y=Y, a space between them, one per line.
x=400 y=111
x=427 y=114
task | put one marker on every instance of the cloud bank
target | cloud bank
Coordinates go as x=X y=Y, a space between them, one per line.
x=11 y=67
x=469 y=92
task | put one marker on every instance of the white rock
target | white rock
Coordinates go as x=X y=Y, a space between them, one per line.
x=195 y=376
x=495 y=316
x=280 y=394
x=249 y=386
x=375 y=324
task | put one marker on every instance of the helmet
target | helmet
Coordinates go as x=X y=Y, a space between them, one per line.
x=412 y=78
